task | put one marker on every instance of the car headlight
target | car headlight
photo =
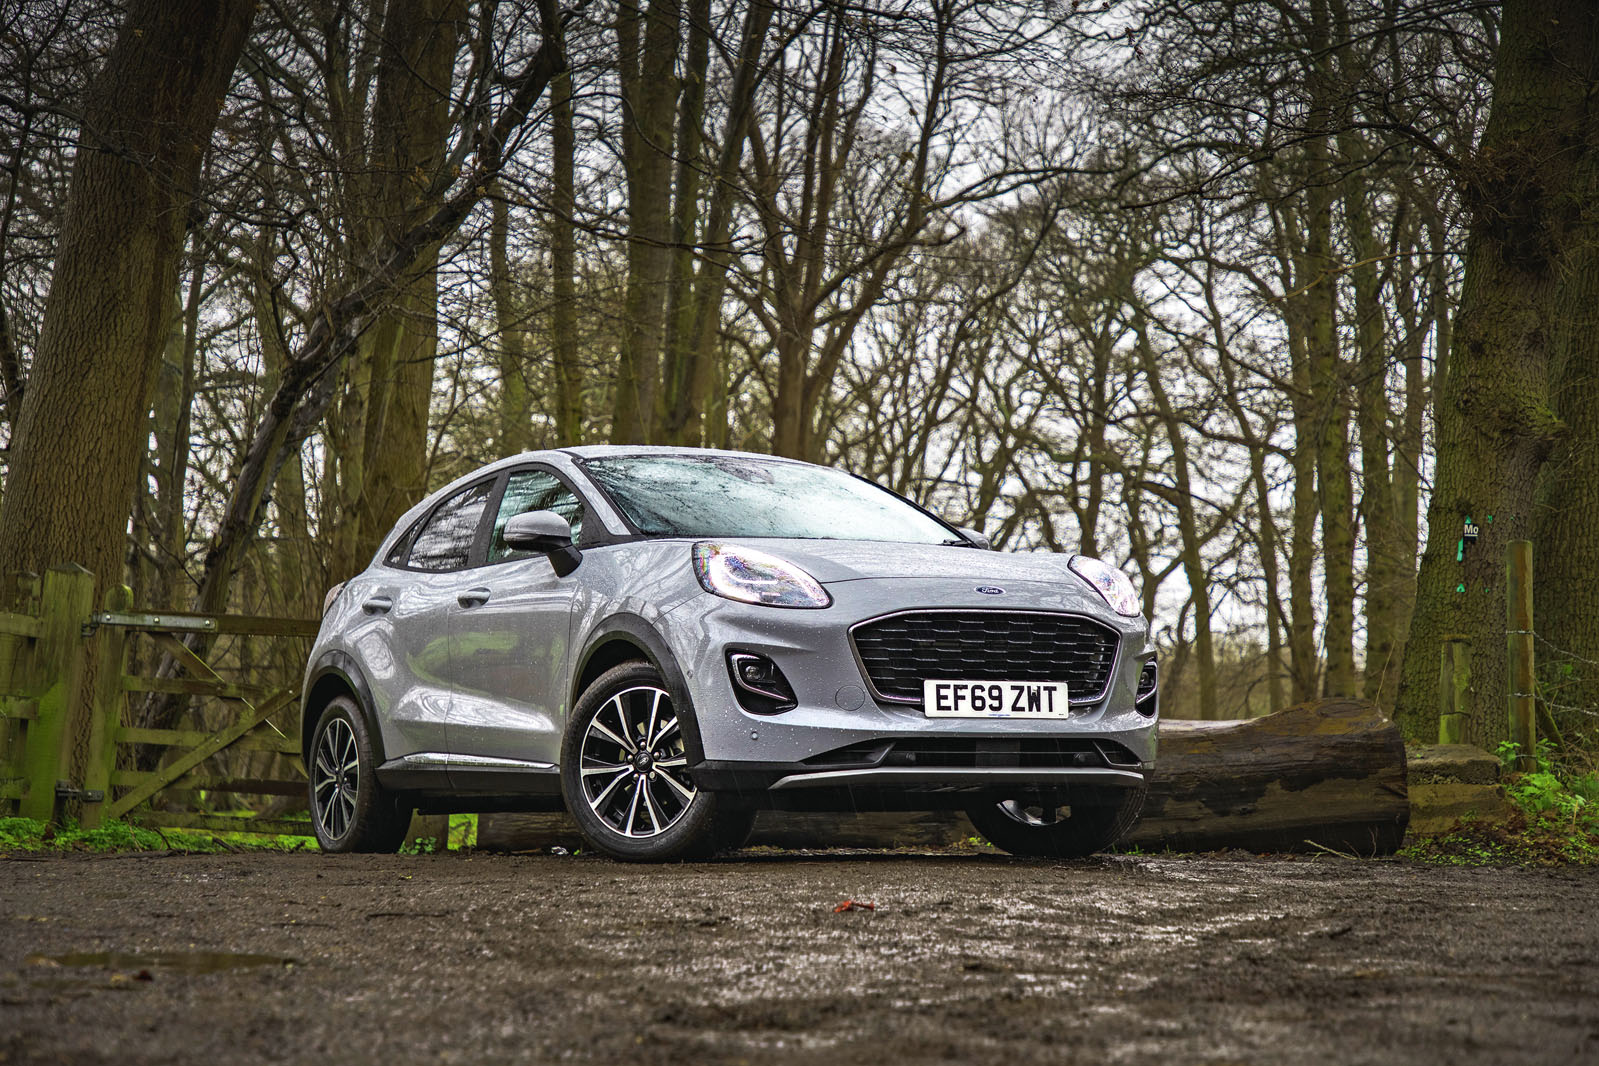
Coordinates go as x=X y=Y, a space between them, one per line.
x=1109 y=582
x=751 y=576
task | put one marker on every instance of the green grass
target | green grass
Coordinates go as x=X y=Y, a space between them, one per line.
x=1522 y=841
x=25 y=834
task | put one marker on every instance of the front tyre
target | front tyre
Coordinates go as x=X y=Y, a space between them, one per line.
x=349 y=809
x=624 y=772
x=1041 y=828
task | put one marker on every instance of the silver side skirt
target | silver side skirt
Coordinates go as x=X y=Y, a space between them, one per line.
x=435 y=760
x=980 y=775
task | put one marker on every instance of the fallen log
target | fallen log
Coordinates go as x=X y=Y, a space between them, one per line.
x=1329 y=774
x=1325 y=774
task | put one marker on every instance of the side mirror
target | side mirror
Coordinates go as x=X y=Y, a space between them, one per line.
x=974 y=538
x=548 y=534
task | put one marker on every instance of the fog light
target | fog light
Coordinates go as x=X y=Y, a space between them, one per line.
x=759 y=685
x=1148 y=699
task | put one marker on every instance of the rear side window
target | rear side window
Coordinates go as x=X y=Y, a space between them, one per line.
x=445 y=541
x=402 y=547
x=533 y=490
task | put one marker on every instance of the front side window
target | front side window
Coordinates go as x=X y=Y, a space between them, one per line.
x=747 y=496
x=445 y=542
x=533 y=490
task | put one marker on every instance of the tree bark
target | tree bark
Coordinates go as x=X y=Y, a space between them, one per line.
x=515 y=425
x=80 y=434
x=563 y=264
x=1327 y=378
x=647 y=58
x=411 y=120
x=1566 y=526
x=1192 y=547
x=692 y=356
x=1494 y=423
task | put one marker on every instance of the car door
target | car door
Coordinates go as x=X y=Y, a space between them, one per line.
x=510 y=638
x=410 y=610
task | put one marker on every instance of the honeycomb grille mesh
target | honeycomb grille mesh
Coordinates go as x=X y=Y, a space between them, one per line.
x=902 y=651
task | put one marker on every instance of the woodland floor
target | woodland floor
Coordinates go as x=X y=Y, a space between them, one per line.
x=147 y=958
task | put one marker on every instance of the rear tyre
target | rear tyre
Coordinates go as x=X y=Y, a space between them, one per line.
x=1039 y=827
x=732 y=826
x=624 y=772
x=350 y=811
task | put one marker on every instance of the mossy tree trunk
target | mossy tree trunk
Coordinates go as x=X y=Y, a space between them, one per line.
x=1566 y=528
x=1495 y=426
x=81 y=431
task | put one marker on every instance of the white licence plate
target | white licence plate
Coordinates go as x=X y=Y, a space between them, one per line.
x=994 y=699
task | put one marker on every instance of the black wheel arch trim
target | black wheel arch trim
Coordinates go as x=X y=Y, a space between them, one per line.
x=635 y=630
x=341 y=665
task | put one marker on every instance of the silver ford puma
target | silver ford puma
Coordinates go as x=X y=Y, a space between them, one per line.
x=663 y=641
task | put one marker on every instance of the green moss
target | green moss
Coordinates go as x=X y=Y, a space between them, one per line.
x=25 y=834
x=1540 y=840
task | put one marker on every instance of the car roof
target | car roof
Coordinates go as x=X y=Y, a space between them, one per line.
x=596 y=451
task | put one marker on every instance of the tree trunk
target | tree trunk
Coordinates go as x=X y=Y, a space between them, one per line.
x=81 y=433
x=1192 y=547
x=1327 y=380
x=1494 y=424
x=1303 y=664
x=563 y=265
x=515 y=432
x=411 y=119
x=694 y=353
x=1566 y=527
x=647 y=63
x=675 y=399
x=1387 y=571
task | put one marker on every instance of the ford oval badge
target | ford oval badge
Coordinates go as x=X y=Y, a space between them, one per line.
x=990 y=590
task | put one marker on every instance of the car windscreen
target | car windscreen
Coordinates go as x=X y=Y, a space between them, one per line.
x=737 y=496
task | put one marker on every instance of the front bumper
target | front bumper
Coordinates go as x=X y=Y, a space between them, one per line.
x=840 y=737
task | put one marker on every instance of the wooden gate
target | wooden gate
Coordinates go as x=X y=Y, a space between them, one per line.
x=68 y=702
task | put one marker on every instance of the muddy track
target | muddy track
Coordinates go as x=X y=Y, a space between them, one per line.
x=151 y=958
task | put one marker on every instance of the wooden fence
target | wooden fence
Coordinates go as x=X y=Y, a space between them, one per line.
x=68 y=706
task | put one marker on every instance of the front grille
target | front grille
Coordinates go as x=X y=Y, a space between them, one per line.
x=901 y=651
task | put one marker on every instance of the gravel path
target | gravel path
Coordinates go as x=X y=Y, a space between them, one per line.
x=148 y=958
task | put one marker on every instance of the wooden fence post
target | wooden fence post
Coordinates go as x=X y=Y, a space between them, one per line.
x=19 y=593
x=105 y=712
x=1454 y=688
x=1518 y=642
x=66 y=602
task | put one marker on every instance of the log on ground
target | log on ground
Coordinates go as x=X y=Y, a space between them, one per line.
x=1325 y=774
x=1329 y=774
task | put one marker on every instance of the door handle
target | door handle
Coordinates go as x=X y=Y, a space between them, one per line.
x=377 y=605
x=473 y=597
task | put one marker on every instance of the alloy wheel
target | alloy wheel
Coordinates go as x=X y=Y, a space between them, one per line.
x=633 y=765
x=336 y=778
x=1034 y=814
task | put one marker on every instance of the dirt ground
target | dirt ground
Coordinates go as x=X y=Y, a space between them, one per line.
x=147 y=958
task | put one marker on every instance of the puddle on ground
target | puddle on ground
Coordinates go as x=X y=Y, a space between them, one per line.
x=194 y=962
